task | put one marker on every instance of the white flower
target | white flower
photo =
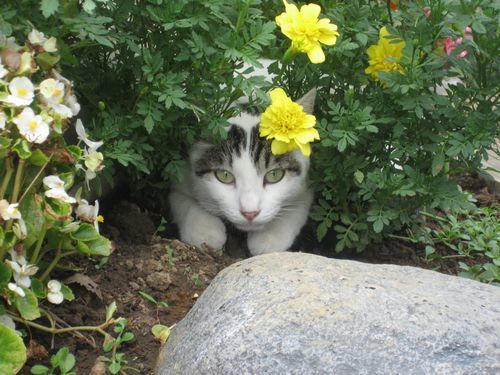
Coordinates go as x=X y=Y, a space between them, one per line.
x=3 y=119
x=31 y=126
x=21 y=90
x=56 y=189
x=16 y=289
x=82 y=136
x=89 y=213
x=38 y=38
x=62 y=110
x=52 y=91
x=21 y=270
x=9 y=211
x=73 y=104
x=54 y=294
x=50 y=45
x=9 y=322
x=20 y=229
x=3 y=71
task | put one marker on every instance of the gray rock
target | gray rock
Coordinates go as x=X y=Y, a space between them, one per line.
x=293 y=313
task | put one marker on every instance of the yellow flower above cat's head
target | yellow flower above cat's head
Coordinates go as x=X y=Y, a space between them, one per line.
x=306 y=30
x=288 y=125
x=385 y=55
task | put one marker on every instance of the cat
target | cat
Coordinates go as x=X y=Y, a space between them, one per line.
x=239 y=181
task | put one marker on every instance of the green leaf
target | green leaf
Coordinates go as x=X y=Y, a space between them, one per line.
x=22 y=148
x=161 y=332
x=12 y=351
x=49 y=7
x=100 y=246
x=4 y=146
x=437 y=163
x=27 y=305
x=47 y=60
x=110 y=310
x=127 y=336
x=5 y=274
x=67 y=292
x=359 y=176
x=114 y=368
x=37 y=288
x=38 y=158
x=148 y=297
x=66 y=360
x=321 y=230
x=85 y=233
x=378 y=225
x=39 y=370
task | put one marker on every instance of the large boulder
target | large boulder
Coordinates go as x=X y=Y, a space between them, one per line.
x=293 y=313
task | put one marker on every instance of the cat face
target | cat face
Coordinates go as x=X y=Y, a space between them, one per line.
x=241 y=181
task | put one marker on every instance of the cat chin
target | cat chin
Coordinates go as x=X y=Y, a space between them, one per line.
x=249 y=227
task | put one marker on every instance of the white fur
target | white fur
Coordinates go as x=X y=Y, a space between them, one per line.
x=199 y=203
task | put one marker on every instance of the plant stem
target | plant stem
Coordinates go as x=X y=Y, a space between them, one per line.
x=34 y=257
x=54 y=262
x=16 y=189
x=9 y=170
x=17 y=182
x=54 y=330
x=36 y=178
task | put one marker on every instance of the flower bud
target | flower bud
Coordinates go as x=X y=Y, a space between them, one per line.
x=11 y=58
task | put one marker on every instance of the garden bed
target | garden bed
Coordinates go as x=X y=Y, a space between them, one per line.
x=176 y=274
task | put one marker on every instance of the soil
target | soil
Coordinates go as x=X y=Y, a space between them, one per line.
x=176 y=274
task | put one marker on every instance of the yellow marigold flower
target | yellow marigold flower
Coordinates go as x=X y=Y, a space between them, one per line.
x=286 y=123
x=307 y=31
x=384 y=56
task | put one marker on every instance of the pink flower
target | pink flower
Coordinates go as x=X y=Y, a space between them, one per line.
x=449 y=45
x=468 y=33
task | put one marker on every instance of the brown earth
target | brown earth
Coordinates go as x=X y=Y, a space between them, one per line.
x=175 y=273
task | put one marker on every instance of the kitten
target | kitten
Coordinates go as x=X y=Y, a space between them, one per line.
x=241 y=182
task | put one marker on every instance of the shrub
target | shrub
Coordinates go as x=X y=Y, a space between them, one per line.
x=157 y=75
x=40 y=222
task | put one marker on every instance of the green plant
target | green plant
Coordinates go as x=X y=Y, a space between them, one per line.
x=167 y=73
x=63 y=363
x=117 y=362
x=150 y=298
x=40 y=222
x=472 y=235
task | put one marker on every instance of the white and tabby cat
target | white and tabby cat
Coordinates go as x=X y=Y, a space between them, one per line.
x=241 y=182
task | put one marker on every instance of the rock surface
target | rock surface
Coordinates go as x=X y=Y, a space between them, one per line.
x=293 y=313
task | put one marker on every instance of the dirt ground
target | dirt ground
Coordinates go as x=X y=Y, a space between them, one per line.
x=175 y=273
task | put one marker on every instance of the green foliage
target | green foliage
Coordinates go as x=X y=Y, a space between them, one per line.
x=389 y=149
x=156 y=75
x=473 y=235
x=12 y=351
x=117 y=362
x=40 y=223
x=160 y=77
x=62 y=363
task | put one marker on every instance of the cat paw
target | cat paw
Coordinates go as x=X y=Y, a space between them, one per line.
x=268 y=242
x=202 y=228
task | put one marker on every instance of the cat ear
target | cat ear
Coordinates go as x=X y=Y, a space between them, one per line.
x=307 y=101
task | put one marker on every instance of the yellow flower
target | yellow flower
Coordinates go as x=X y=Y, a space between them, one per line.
x=384 y=56
x=307 y=31
x=288 y=125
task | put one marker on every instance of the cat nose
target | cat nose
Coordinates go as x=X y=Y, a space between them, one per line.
x=250 y=215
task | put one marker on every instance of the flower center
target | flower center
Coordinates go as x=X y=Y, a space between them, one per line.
x=33 y=125
x=22 y=92
x=100 y=219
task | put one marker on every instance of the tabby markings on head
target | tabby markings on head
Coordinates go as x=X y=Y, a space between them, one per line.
x=238 y=142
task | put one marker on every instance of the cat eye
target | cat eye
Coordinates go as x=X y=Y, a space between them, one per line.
x=274 y=176
x=224 y=176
